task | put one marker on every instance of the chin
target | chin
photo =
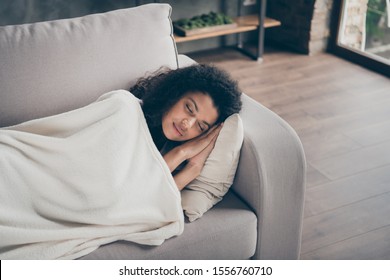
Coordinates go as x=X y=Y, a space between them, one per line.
x=169 y=135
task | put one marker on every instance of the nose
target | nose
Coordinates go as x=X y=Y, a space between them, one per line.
x=188 y=123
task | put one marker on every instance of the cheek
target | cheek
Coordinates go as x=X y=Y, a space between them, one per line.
x=165 y=124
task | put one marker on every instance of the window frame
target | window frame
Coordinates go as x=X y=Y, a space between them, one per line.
x=355 y=56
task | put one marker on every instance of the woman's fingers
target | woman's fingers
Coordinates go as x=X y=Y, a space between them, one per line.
x=211 y=138
x=214 y=130
x=195 y=146
x=212 y=134
x=211 y=145
x=199 y=148
x=200 y=158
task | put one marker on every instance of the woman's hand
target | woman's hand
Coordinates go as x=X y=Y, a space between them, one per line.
x=195 y=146
x=195 y=164
x=191 y=148
x=200 y=159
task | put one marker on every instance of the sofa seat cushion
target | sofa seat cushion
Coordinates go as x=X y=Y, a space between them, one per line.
x=228 y=231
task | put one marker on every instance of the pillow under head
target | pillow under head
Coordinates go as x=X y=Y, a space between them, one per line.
x=218 y=172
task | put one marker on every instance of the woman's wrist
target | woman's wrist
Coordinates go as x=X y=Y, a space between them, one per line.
x=187 y=175
x=175 y=157
x=181 y=153
x=195 y=168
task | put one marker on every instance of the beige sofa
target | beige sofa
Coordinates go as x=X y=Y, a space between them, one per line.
x=51 y=67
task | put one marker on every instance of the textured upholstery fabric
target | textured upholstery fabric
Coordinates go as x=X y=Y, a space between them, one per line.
x=52 y=67
x=228 y=231
x=271 y=179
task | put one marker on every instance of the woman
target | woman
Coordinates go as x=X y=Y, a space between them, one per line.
x=74 y=181
x=186 y=107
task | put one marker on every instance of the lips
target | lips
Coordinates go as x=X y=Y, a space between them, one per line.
x=177 y=129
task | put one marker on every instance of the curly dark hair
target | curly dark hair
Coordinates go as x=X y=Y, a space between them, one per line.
x=161 y=90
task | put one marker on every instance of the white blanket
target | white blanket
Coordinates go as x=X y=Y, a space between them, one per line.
x=72 y=182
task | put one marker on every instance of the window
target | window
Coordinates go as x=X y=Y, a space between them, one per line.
x=361 y=33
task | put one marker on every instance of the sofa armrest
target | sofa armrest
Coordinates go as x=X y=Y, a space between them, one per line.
x=271 y=179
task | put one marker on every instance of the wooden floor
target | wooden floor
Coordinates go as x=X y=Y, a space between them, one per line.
x=342 y=114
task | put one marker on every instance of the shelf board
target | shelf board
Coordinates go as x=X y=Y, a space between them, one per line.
x=244 y=24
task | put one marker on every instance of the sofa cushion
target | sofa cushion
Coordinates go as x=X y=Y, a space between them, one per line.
x=52 y=67
x=218 y=172
x=228 y=231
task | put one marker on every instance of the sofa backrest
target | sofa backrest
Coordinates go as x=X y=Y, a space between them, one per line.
x=52 y=67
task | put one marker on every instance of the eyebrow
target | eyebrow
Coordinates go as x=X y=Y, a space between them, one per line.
x=193 y=101
x=197 y=110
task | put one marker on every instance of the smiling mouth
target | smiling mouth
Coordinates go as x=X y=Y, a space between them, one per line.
x=177 y=129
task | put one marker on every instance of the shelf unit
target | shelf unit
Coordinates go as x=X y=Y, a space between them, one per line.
x=244 y=24
x=256 y=22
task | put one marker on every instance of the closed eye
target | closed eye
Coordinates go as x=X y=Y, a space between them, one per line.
x=189 y=109
x=203 y=126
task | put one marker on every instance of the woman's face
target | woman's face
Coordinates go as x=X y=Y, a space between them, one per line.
x=191 y=116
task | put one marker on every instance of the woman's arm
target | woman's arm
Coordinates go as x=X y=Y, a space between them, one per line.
x=194 y=166
x=186 y=175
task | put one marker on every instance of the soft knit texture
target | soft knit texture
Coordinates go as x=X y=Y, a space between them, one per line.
x=74 y=181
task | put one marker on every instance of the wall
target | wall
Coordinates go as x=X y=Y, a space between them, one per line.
x=353 y=24
x=29 y=11
x=305 y=24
